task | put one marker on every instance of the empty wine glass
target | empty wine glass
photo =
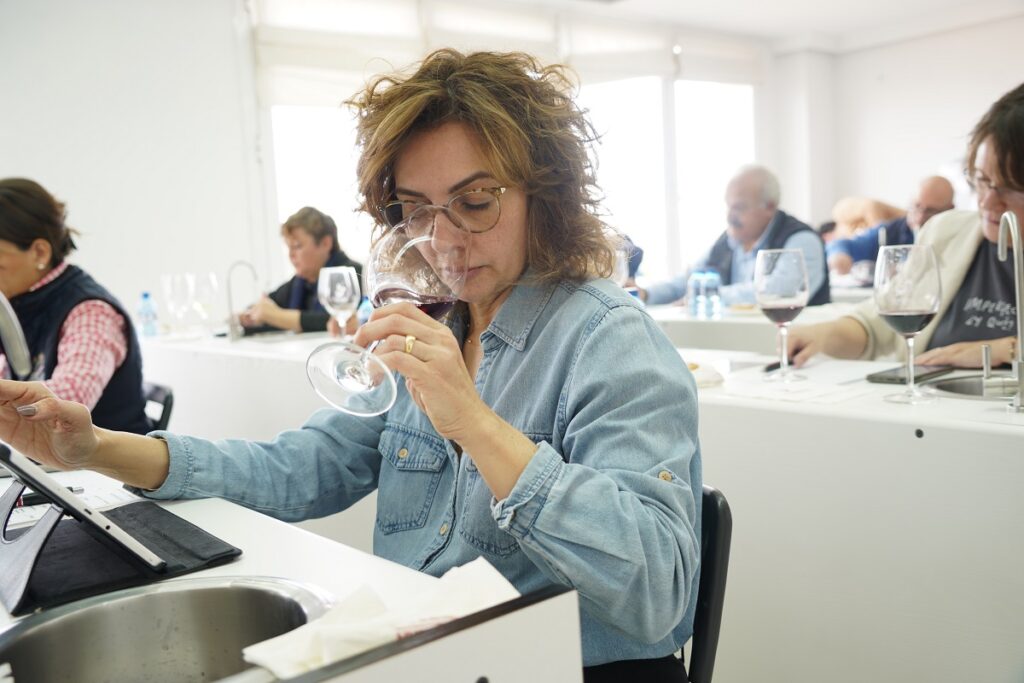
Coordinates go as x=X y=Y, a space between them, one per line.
x=338 y=291
x=907 y=293
x=419 y=261
x=780 y=285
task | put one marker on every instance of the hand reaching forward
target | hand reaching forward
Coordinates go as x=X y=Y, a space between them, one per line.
x=51 y=431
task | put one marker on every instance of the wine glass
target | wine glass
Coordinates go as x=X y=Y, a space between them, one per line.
x=907 y=293
x=780 y=285
x=426 y=267
x=338 y=291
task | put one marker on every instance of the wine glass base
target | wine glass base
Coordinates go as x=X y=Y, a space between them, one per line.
x=784 y=377
x=351 y=379
x=910 y=398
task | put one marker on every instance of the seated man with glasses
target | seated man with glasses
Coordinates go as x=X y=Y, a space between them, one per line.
x=755 y=222
x=978 y=292
x=934 y=195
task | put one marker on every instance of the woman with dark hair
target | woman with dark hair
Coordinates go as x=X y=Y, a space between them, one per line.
x=312 y=240
x=81 y=342
x=550 y=426
x=978 y=302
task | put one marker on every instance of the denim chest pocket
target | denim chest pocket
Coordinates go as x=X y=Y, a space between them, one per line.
x=477 y=526
x=411 y=464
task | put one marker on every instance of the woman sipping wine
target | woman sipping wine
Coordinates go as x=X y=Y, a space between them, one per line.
x=549 y=426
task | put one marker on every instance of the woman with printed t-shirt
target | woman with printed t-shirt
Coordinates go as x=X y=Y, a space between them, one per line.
x=978 y=302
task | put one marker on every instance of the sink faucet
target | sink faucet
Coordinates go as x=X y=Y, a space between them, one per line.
x=1008 y=226
x=235 y=330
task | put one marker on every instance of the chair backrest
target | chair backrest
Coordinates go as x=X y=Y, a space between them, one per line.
x=158 y=393
x=715 y=539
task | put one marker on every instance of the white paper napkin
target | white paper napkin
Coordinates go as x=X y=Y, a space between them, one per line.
x=362 y=621
x=705 y=375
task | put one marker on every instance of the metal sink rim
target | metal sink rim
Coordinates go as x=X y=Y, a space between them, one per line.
x=313 y=600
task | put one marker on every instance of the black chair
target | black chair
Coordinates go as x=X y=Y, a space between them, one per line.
x=715 y=539
x=159 y=394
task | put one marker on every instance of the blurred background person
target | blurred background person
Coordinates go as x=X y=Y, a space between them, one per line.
x=934 y=195
x=978 y=303
x=755 y=222
x=312 y=240
x=78 y=335
x=854 y=214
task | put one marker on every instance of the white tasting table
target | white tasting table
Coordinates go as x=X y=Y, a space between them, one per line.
x=871 y=540
x=738 y=328
x=548 y=631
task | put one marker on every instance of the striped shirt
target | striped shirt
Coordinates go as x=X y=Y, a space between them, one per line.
x=92 y=345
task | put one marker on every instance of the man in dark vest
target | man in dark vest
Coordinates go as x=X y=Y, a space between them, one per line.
x=755 y=222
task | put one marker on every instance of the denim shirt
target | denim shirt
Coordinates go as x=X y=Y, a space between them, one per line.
x=609 y=505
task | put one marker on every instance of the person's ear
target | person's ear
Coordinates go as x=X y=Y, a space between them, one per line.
x=42 y=253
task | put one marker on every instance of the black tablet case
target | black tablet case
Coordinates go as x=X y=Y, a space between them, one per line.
x=75 y=562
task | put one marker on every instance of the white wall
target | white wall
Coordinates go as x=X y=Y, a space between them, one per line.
x=797 y=114
x=905 y=110
x=140 y=116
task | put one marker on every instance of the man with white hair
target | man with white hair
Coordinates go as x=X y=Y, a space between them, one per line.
x=755 y=223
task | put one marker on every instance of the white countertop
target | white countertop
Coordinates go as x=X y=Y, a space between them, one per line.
x=274 y=548
x=837 y=387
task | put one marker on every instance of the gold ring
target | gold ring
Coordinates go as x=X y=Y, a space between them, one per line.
x=409 y=341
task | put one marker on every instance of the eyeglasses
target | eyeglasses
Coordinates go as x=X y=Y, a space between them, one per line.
x=980 y=183
x=476 y=210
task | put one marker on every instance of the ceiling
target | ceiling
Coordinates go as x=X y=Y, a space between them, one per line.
x=830 y=25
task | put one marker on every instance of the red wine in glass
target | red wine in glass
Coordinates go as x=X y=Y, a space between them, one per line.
x=908 y=323
x=908 y=290
x=434 y=306
x=781 y=314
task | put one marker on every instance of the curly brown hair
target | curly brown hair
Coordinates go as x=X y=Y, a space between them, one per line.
x=530 y=131
x=1003 y=126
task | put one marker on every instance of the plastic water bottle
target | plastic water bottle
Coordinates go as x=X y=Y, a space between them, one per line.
x=364 y=310
x=695 y=299
x=712 y=295
x=147 y=316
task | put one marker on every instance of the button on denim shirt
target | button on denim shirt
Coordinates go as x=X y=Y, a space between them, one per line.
x=609 y=505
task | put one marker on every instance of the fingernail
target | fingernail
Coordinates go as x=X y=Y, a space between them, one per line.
x=26 y=411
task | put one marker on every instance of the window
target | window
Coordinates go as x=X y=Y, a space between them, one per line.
x=627 y=114
x=714 y=136
x=314 y=165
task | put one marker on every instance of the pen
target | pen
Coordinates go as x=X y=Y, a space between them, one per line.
x=34 y=498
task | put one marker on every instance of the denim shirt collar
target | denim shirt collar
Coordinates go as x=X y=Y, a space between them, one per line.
x=517 y=315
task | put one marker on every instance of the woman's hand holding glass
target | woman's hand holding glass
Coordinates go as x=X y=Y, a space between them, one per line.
x=423 y=261
x=429 y=358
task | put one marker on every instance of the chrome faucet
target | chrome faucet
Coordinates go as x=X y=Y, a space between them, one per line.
x=1008 y=226
x=235 y=330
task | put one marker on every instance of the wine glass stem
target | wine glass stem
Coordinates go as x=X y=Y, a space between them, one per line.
x=784 y=349
x=911 y=390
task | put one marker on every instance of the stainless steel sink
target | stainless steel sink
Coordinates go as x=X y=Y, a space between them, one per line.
x=187 y=630
x=995 y=388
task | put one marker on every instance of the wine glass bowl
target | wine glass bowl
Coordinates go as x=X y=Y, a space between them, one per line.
x=907 y=294
x=781 y=290
x=338 y=291
x=427 y=270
